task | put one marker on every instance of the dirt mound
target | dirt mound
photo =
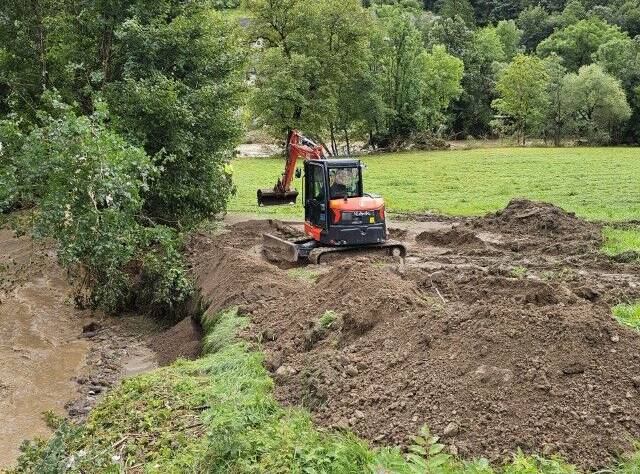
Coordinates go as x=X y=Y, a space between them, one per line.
x=525 y=216
x=182 y=341
x=453 y=236
x=494 y=350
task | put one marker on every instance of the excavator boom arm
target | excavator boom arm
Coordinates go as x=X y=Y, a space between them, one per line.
x=298 y=147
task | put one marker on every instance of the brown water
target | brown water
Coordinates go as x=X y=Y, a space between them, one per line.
x=40 y=349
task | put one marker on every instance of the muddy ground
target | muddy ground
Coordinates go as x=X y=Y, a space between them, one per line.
x=55 y=357
x=496 y=332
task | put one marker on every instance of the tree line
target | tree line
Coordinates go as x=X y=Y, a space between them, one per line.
x=117 y=121
x=391 y=72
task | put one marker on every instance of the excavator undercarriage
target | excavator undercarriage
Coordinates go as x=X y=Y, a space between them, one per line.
x=306 y=249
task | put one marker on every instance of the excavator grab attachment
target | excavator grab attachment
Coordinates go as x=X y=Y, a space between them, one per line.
x=270 y=197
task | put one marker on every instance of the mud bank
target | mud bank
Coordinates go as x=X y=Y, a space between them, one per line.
x=496 y=333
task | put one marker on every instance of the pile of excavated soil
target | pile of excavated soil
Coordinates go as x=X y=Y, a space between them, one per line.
x=525 y=216
x=510 y=347
x=182 y=341
x=447 y=237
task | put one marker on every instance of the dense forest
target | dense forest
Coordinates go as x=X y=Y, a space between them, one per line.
x=406 y=70
x=118 y=118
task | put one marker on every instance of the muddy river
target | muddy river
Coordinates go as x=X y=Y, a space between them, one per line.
x=40 y=348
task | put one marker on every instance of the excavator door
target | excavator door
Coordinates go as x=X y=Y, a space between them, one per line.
x=315 y=194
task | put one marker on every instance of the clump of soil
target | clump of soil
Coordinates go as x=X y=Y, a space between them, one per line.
x=494 y=350
x=448 y=237
x=182 y=341
x=529 y=225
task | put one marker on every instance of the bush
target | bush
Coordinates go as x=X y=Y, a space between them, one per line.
x=10 y=142
x=183 y=105
x=88 y=184
x=226 y=4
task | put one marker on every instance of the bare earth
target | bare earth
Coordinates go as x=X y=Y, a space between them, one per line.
x=496 y=332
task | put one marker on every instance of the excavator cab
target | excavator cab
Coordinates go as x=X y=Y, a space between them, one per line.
x=336 y=209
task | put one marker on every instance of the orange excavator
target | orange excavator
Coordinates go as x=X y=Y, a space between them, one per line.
x=338 y=215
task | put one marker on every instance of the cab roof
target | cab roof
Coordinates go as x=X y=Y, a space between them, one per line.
x=338 y=162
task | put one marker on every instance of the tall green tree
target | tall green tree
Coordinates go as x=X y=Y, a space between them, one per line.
x=510 y=37
x=453 y=33
x=172 y=74
x=417 y=85
x=472 y=111
x=621 y=58
x=442 y=75
x=573 y=12
x=181 y=107
x=557 y=119
x=598 y=103
x=536 y=24
x=313 y=50
x=522 y=87
x=578 y=42
x=461 y=8
x=626 y=14
x=37 y=39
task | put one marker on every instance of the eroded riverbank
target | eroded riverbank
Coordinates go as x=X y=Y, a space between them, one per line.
x=55 y=357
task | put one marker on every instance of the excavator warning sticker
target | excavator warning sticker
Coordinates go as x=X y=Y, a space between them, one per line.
x=372 y=220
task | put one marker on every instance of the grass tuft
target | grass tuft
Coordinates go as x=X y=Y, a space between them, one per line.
x=327 y=319
x=628 y=314
x=303 y=273
x=518 y=272
x=617 y=241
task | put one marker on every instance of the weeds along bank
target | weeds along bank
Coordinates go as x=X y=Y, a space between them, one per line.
x=517 y=348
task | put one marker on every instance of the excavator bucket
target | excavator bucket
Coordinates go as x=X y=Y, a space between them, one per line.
x=269 y=197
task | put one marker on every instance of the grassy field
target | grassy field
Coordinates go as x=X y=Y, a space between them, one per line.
x=596 y=183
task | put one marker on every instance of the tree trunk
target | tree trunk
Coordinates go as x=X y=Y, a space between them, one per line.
x=556 y=136
x=346 y=138
x=326 y=148
x=105 y=53
x=334 y=146
x=41 y=40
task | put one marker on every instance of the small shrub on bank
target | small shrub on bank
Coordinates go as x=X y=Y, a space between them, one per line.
x=88 y=184
x=10 y=142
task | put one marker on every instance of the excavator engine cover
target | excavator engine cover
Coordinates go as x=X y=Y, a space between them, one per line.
x=269 y=197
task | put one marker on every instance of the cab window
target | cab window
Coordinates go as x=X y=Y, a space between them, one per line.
x=317 y=184
x=343 y=182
